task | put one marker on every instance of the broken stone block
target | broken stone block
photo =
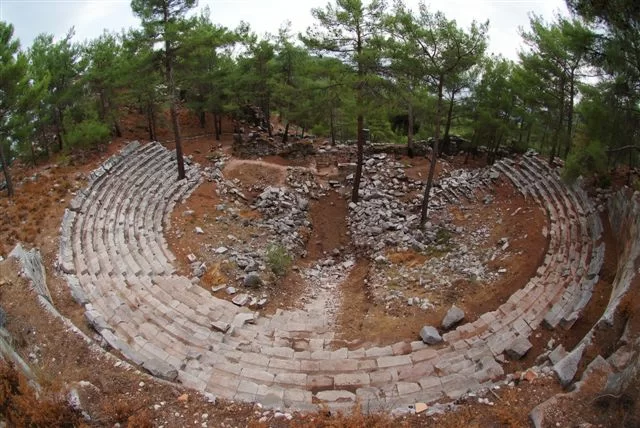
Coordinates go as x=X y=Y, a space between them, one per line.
x=430 y=335
x=454 y=316
x=518 y=348
x=567 y=367
x=241 y=299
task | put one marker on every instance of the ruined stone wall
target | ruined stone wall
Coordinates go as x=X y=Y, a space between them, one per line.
x=260 y=147
x=624 y=216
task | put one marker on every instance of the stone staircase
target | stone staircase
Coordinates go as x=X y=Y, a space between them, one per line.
x=118 y=266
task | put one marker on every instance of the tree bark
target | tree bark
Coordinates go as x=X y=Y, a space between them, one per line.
x=434 y=156
x=360 y=121
x=494 y=152
x=151 y=122
x=410 y=148
x=57 y=115
x=285 y=136
x=219 y=118
x=360 y=160
x=173 y=109
x=117 y=127
x=446 y=139
x=333 y=127
x=216 y=131
x=203 y=119
x=570 y=116
x=7 y=174
x=33 y=153
x=556 y=137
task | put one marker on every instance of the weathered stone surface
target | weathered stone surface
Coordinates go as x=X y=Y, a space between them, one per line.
x=454 y=316
x=518 y=348
x=430 y=335
x=220 y=326
x=567 y=367
x=241 y=299
x=161 y=369
x=557 y=354
x=336 y=395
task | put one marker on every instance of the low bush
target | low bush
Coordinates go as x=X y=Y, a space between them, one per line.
x=88 y=134
x=278 y=259
x=588 y=160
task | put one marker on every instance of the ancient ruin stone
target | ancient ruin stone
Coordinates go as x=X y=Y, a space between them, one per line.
x=518 y=348
x=454 y=316
x=430 y=335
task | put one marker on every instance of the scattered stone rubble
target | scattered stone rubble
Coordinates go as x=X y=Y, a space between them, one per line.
x=388 y=211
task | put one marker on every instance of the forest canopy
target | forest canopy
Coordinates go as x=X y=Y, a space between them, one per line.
x=400 y=74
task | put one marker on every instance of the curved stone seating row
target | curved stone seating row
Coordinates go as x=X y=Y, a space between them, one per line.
x=119 y=267
x=585 y=228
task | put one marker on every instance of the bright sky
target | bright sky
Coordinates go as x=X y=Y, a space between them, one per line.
x=90 y=17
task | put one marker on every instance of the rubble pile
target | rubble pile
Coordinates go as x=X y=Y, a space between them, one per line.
x=384 y=217
x=284 y=213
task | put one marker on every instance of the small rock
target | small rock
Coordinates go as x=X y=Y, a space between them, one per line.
x=217 y=288
x=231 y=291
x=192 y=258
x=420 y=407
x=518 y=348
x=241 y=299
x=530 y=375
x=430 y=335
x=198 y=230
x=221 y=326
x=188 y=213
x=183 y=398
x=221 y=250
x=454 y=316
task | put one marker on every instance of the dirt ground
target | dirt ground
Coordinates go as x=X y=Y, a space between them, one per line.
x=126 y=397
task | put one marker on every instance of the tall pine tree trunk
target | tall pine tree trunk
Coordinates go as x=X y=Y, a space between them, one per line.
x=151 y=122
x=332 y=125
x=285 y=136
x=57 y=117
x=556 y=136
x=5 y=169
x=567 y=147
x=434 y=156
x=446 y=140
x=173 y=103
x=410 y=148
x=360 y=122
x=216 y=131
x=359 y=161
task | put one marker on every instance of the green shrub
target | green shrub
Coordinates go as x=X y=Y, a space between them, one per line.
x=87 y=134
x=443 y=236
x=278 y=259
x=587 y=160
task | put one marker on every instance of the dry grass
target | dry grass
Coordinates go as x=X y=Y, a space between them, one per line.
x=410 y=258
x=215 y=275
x=21 y=408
